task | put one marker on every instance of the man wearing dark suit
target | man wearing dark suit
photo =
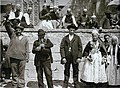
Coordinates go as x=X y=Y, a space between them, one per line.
x=43 y=59
x=71 y=53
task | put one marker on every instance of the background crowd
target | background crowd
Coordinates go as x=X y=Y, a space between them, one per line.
x=52 y=18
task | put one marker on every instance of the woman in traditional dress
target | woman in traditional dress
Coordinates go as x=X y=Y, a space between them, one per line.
x=114 y=65
x=94 y=65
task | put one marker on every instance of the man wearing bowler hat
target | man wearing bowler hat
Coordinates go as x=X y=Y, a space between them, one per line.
x=18 y=53
x=71 y=53
x=43 y=58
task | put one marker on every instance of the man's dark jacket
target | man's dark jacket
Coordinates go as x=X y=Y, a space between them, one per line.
x=76 y=48
x=44 y=54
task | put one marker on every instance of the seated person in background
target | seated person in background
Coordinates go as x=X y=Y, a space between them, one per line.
x=46 y=23
x=54 y=16
x=25 y=21
x=83 y=20
x=116 y=21
x=68 y=19
x=13 y=16
x=14 y=22
x=43 y=13
x=93 y=24
x=105 y=22
x=17 y=14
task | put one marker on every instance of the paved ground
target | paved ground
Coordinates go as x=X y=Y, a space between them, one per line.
x=57 y=84
x=33 y=84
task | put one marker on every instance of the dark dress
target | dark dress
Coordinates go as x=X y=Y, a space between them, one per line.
x=112 y=69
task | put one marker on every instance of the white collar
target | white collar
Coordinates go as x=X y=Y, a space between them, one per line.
x=71 y=37
x=20 y=37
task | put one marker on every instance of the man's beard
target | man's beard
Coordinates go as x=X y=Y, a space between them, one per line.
x=18 y=34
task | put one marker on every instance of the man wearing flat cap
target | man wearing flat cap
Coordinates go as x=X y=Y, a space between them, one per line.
x=43 y=58
x=71 y=53
x=18 y=53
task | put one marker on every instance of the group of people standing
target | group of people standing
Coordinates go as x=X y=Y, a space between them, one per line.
x=101 y=58
x=99 y=66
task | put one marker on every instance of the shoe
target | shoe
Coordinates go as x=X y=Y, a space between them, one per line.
x=65 y=84
x=76 y=84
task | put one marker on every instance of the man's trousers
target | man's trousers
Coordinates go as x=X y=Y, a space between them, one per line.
x=67 y=71
x=46 y=67
x=18 y=70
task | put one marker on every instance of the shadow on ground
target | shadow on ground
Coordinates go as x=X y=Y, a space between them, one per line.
x=58 y=84
x=34 y=84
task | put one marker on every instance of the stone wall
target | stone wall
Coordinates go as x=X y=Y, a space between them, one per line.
x=55 y=36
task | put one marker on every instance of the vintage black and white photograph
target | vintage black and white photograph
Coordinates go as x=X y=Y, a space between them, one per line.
x=59 y=43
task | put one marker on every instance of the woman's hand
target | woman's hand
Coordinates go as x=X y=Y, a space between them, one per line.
x=118 y=66
x=104 y=60
x=78 y=60
x=89 y=59
x=38 y=48
x=64 y=60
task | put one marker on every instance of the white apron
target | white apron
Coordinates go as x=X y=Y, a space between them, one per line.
x=94 y=71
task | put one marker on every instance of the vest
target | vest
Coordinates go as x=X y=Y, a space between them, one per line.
x=68 y=19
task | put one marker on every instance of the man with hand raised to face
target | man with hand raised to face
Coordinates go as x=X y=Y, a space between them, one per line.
x=71 y=53
x=43 y=58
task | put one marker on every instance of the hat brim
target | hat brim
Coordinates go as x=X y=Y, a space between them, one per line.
x=72 y=26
